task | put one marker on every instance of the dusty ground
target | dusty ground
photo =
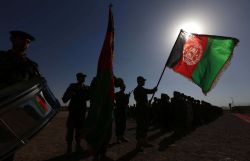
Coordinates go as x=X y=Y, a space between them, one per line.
x=226 y=139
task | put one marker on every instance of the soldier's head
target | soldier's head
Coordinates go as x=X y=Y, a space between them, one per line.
x=20 y=40
x=176 y=94
x=120 y=83
x=141 y=80
x=164 y=96
x=80 y=77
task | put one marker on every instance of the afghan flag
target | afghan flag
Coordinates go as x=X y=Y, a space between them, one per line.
x=98 y=124
x=201 y=58
x=41 y=104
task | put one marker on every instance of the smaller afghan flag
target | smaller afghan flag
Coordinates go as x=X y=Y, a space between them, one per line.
x=201 y=58
x=41 y=104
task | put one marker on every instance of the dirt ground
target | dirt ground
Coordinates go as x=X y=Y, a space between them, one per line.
x=226 y=139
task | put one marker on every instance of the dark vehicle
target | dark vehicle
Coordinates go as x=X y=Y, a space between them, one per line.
x=25 y=108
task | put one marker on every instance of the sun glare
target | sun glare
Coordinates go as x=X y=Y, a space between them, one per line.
x=192 y=27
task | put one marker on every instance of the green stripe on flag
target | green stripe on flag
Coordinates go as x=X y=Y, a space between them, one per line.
x=217 y=53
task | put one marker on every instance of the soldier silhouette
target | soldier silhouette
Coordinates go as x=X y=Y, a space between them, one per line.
x=121 y=106
x=142 y=112
x=78 y=94
x=15 y=66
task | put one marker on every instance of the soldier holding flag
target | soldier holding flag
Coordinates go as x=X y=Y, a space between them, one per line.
x=142 y=112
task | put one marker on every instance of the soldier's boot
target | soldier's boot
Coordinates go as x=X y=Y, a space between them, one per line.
x=69 y=148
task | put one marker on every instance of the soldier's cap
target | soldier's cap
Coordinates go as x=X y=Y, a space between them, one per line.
x=80 y=75
x=140 y=78
x=22 y=35
x=119 y=82
x=164 y=95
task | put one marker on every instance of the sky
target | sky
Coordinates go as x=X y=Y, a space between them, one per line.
x=69 y=37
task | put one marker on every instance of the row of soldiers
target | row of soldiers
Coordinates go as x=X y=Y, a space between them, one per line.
x=181 y=113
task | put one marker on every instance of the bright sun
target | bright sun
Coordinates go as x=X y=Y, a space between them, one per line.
x=189 y=26
x=192 y=27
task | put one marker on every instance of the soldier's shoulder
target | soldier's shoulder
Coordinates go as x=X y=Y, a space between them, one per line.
x=139 y=88
x=32 y=62
x=71 y=87
x=136 y=90
x=72 y=84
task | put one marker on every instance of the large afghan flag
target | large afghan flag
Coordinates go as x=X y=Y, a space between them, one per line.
x=98 y=124
x=201 y=58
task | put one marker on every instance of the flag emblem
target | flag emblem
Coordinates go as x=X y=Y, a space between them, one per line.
x=192 y=51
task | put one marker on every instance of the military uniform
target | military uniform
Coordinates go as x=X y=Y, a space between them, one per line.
x=121 y=100
x=78 y=94
x=142 y=111
x=14 y=65
x=14 y=69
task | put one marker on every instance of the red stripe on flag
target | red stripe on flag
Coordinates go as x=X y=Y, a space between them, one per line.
x=42 y=103
x=192 y=53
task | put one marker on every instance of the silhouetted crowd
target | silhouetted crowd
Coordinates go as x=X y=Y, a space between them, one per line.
x=180 y=114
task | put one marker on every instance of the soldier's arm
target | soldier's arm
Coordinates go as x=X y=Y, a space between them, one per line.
x=151 y=91
x=68 y=94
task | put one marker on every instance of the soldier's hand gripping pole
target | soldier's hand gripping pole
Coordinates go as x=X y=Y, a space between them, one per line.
x=158 y=83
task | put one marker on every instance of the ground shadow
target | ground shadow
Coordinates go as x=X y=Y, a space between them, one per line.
x=128 y=156
x=70 y=157
x=156 y=135
x=176 y=135
x=168 y=141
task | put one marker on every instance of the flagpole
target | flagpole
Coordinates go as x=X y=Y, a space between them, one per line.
x=164 y=69
x=158 y=82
